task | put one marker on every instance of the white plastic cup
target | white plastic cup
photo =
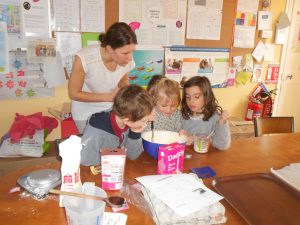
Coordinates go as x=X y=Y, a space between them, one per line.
x=201 y=143
x=80 y=211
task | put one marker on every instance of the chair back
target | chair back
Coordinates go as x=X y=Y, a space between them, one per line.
x=273 y=125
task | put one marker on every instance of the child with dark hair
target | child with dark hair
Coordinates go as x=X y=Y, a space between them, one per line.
x=120 y=127
x=202 y=114
x=99 y=71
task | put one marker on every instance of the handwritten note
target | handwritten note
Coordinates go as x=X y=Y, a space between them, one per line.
x=114 y=218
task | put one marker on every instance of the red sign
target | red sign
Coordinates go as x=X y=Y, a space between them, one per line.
x=272 y=74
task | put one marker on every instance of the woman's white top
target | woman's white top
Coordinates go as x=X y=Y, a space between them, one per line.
x=98 y=79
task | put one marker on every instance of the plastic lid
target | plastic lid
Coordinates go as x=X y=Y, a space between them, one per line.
x=42 y=178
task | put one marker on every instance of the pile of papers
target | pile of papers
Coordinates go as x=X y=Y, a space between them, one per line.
x=182 y=197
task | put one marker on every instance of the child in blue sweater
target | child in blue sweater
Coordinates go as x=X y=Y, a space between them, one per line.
x=120 y=127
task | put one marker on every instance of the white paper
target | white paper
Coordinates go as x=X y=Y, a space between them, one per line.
x=244 y=37
x=41 y=50
x=257 y=73
x=68 y=44
x=264 y=20
x=155 y=22
x=35 y=18
x=289 y=174
x=259 y=51
x=66 y=15
x=3 y=48
x=114 y=218
x=248 y=6
x=181 y=192
x=266 y=33
x=92 y=15
x=269 y=55
x=281 y=35
x=204 y=21
x=245 y=23
x=54 y=73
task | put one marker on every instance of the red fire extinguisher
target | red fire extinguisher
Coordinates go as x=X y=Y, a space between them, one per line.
x=254 y=109
x=266 y=99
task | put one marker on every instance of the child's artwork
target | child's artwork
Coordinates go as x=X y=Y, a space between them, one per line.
x=24 y=79
x=10 y=14
x=148 y=62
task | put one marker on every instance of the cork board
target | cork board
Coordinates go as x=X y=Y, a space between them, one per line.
x=228 y=17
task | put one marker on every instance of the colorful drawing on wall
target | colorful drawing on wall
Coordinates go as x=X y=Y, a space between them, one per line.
x=148 y=63
x=24 y=79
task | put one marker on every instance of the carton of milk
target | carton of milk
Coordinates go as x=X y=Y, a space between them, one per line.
x=112 y=167
x=170 y=158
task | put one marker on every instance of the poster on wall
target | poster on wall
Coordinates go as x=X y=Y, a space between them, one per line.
x=204 y=19
x=272 y=74
x=24 y=80
x=182 y=63
x=245 y=23
x=155 y=22
x=3 y=48
x=148 y=62
x=10 y=13
x=36 y=17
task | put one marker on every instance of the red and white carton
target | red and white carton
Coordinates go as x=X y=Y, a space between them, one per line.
x=113 y=167
x=170 y=158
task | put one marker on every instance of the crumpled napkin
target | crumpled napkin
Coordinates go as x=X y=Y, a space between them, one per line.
x=27 y=125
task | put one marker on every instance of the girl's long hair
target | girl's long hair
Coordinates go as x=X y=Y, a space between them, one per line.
x=210 y=102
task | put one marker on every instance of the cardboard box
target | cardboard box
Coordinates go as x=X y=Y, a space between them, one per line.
x=112 y=167
x=170 y=158
x=67 y=124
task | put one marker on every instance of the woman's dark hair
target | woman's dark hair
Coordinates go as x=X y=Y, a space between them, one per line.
x=210 y=102
x=118 y=35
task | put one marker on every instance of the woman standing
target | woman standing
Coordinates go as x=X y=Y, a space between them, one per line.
x=99 y=71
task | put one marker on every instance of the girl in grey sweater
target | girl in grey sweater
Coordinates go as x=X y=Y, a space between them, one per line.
x=202 y=114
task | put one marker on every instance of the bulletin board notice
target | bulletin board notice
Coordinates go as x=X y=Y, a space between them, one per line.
x=184 y=62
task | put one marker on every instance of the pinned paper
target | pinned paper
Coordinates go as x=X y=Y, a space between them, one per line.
x=266 y=33
x=270 y=53
x=231 y=76
x=283 y=21
x=249 y=63
x=264 y=20
x=238 y=62
x=259 y=51
x=243 y=77
x=257 y=73
x=272 y=74
x=281 y=35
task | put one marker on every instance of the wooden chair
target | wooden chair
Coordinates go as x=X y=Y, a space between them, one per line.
x=273 y=125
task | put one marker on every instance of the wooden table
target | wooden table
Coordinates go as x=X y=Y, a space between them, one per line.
x=251 y=155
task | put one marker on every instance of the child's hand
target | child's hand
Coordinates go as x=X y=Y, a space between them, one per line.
x=224 y=117
x=189 y=138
